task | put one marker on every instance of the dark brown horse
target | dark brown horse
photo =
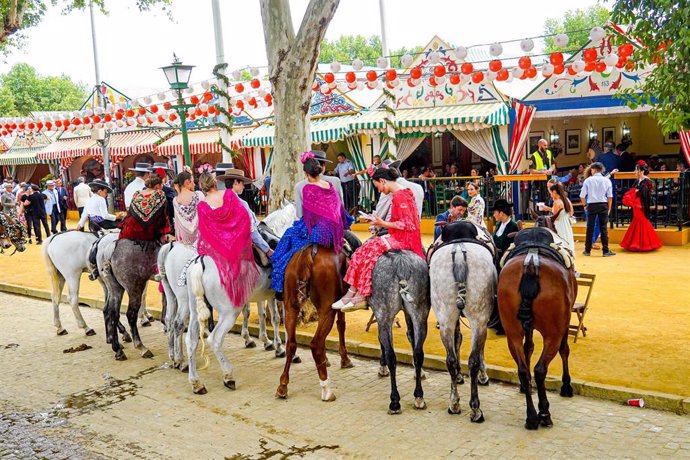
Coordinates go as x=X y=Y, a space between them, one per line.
x=536 y=291
x=314 y=273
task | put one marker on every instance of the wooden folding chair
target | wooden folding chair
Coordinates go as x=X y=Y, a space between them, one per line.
x=580 y=308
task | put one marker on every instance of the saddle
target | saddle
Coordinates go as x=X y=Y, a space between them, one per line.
x=463 y=231
x=544 y=242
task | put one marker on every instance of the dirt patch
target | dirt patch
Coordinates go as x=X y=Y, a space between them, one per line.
x=82 y=347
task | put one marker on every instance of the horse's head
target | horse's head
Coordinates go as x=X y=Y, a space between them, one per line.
x=12 y=232
x=281 y=219
x=543 y=220
x=268 y=235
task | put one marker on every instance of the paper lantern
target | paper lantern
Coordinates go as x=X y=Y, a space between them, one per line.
x=147 y=100
x=406 y=60
x=600 y=66
x=491 y=75
x=611 y=59
x=495 y=65
x=172 y=116
x=371 y=75
x=561 y=40
x=590 y=66
x=527 y=45
x=578 y=65
x=236 y=74
x=411 y=82
x=556 y=58
x=517 y=72
x=524 y=62
x=531 y=72
x=268 y=98
x=205 y=85
x=461 y=52
x=357 y=64
x=454 y=79
x=325 y=89
x=256 y=83
x=496 y=49
x=625 y=50
x=96 y=119
x=432 y=81
x=350 y=77
x=240 y=104
x=254 y=71
x=440 y=80
x=161 y=96
x=439 y=70
x=477 y=77
x=621 y=62
x=434 y=57
x=335 y=66
x=252 y=102
x=466 y=68
x=571 y=70
x=239 y=87
x=382 y=62
x=590 y=54
x=596 y=34
x=416 y=73
x=58 y=123
x=391 y=74
x=502 y=75
x=547 y=69
x=66 y=123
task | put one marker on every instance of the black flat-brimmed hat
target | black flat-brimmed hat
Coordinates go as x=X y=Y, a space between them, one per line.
x=320 y=156
x=222 y=167
x=392 y=164
x=233 y=173
x=141 y=167
x=99 y=183
x=160 y=166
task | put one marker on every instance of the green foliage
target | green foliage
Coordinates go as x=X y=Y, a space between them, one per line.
x=348 y=47
x=575 y=20
x=23 y=90
x=662 y=28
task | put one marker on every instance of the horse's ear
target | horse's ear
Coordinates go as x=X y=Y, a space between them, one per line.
x=534 y=215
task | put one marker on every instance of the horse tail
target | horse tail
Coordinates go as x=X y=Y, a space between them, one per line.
x=162 y=254
x=460 y=277
x=53 y=272
x=529 y=290
x=196 y=275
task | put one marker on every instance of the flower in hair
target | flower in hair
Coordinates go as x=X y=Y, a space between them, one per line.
x=306 y=155
x=205 y=168
x=641 y=163
x=371 y=170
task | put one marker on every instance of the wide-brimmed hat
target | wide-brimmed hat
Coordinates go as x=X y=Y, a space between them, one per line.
x=160 y=166
x=101 y=184
x=141 y=167
x=392 y=164
x=50 y=182
x=8 y=185
x=320 y=156
x=234 y=173
x=222 y=167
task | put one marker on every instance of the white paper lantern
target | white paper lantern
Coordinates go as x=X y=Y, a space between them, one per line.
x=206 y=85
x=161 y=96
x=189 y=90
x=464 y=79
x=98 y=110
x=440 y=80
x=527 y=45
x=395 y=82
x=254 y=71
x=382 y=62
x=579 y=65
x=371 y=84
x=203 y=107
x=261 y=92
x=461 y=52
x=434 y=57
x=547 y=69
x=335 y=66
x=517 y=72
x=406 y=60
x=357 y=64
x=360 y=86
x=496 y=49
x=342 y=87
x=333 y=85
x=141 y=120
x=611 y=59
x=147 y=100
x=352 y=86
x=561 y=40
x=597 y=33
x=491 y=75
x=236 y=74
x=324 y=88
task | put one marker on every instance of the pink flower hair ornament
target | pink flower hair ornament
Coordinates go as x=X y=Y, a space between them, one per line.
x=372 y=169
x=306 y=155
x=205 y=168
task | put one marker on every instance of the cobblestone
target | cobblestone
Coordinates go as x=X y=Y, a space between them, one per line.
x=87 y=405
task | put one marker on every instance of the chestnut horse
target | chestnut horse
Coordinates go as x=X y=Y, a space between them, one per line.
x=314 y=273
x=543 y=301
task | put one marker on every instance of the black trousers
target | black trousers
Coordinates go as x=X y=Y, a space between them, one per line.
x=55 y=217
x=39 y=219
x=80 y=210
x=350 y=194
x=600 y=210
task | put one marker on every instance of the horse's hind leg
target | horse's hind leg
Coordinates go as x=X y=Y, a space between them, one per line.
x=111 y=313
x=275 y=322
x=58 y=285
x=225 y=323
x=73 y=299
x=263 y=335
x=385 y=327
x=517 y=350
x=420 y=331
x=248 y=341
x=383 y=365
x=566 y=388
x=449 y=338
x=318 y=349
x=474 y=364
x=551 y=347
x=345 y=362
x=145 y=317
x=458 y=343
x=291 y=312
x=192 y=342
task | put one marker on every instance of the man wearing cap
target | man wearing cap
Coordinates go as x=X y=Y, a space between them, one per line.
x=82 y=192
x=96 y=209
x=141 y=172
x=235 y=180
x=54 y=207
x=8 y=199
x=320 y=156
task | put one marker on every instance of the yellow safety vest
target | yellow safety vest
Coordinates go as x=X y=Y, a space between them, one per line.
x=539 y=162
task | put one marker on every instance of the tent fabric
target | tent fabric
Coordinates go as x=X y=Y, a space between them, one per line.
x=590 y=111
x=685 y=145
x=134 y=143
x=407 y=145
x=432 y=119
x=69 y=148
x=485 y=142
x=20 y=156
x=203 y=141
x=524 y=114
x=322 y=130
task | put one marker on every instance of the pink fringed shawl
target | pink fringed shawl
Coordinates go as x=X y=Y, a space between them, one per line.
x=224 y=236
x=323 y=207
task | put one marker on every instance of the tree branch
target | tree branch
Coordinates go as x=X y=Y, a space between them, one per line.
x=279 y=34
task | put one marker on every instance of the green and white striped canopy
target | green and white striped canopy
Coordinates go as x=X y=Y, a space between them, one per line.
x=322 y=130
x=431 y=119
x=20 y=156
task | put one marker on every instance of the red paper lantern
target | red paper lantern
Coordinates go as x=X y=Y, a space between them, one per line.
x=107 y=117
x=268 y=98
x=350 y=77
x=432 y=81
x=154 y=108
x=167 y=105
x=239 y=87
x=87 y=120
x=194 y=99
x=96 y=119
x=558 y=69
x=416 y=73
x=477 y=77
x=524 y=62
x=315 y=86
x=467 y=68
x=439 y=71
x=556 y=58
x=630 y=65
x=66 y=123
x=208 y=96
x=252 y=102
x=391 y=74
x=119 y=115
x=590 y=66
x=502 y=75
x=172 y=116
x=129 y=113
x=454 y=79
x=495 y=65
x=571 y=71
x=141 y=110
x=161 y=119
x=625 y=50
x=531 y=72
x=256 y=83
x=240 y=104
x=39 y=125
x=329 y=77
x=621 y=62
x=600 y=66
x=21 y=126
x=76 y=122
x=590 y=55
x=49 y=125
x=197 y=112
x=389 y=86
x=58 y=123
x=410 y=82
x=371 y=75
x=31 y=126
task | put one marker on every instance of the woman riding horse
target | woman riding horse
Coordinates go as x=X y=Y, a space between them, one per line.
x=403 y=233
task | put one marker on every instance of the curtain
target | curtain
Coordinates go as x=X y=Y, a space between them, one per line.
x=259 y=182
x=9 y=170
x=521 y=117
x=407 y=145
x=685 y=145
x=480 y=142
x=366 y=194
x=248 y=160
x=24 y=172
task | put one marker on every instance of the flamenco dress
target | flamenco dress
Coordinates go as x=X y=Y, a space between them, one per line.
x=640 y=236
x=324 y=221
x=404 y=235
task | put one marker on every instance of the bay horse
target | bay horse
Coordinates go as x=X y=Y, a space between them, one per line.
x=400 y=281
x=536 y=291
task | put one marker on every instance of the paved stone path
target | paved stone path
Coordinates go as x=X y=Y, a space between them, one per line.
x=87 y=405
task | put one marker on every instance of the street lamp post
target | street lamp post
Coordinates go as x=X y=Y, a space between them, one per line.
x=178 y=76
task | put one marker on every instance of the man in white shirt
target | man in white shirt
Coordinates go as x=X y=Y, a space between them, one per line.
x=319 y=156
x=346 y=173
x=82 y=192
x=141 y=172
x=597 y=196
x=96 y=209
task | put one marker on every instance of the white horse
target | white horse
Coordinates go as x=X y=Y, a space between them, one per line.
x=463 y=281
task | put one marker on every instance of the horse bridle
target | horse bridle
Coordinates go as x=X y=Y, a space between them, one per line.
x=10 y=229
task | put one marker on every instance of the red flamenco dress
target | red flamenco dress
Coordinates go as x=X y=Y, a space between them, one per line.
x=640 y=236
x=404 y=235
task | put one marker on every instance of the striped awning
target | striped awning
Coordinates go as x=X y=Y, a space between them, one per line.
x=26 y=156
x=135 y=142
x=69 y=148
x=431 y=119
x=322 y=130
x=203 y=141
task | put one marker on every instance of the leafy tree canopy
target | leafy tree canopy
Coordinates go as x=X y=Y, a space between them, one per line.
x=662 y=28
x=347 y=47
x=23 y=90
x=575 y=20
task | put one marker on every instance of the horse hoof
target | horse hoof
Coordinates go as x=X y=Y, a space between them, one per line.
x=567 y=391
x=199 y=389
x=280 y=353
x=176 y=365
x=477 y=417
x=184 y=368
x=297 y=360
x=268 y=347
x=545 y=420
x=454 y=409
x=90 y=332
x=483 y=382
x=62 y=332
x=419 y=403
x=230 y=384
x=120 y=356
x=394 y=411
x=145 y=324
x=282 y=392
x=250 y=344
x=347 y=364
x=532 y=424
x=383 y=371
x=460 y=380
x=127 y=338
x=147 y=354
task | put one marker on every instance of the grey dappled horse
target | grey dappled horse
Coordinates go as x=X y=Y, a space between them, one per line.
x=400 y=281
x=463 y=279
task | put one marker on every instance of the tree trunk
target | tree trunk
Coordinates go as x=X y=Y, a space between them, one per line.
x=292 y=62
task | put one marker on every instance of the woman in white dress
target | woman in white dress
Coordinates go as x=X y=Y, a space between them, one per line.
x=475 y=209
x=562 y=211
